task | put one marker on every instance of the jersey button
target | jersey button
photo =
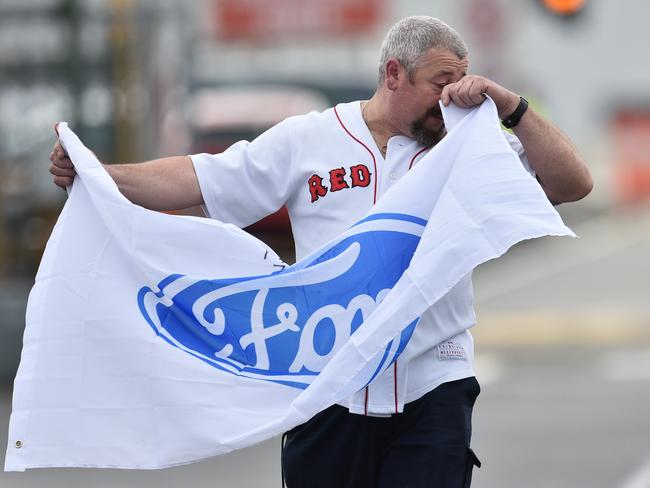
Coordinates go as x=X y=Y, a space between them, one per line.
x=393 y=176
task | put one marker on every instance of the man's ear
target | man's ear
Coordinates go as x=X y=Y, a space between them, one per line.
x=394 y=74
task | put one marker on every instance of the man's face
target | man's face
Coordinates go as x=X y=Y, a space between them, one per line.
x=418 y=96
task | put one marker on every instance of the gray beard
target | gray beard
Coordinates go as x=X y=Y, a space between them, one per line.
x=426 y=137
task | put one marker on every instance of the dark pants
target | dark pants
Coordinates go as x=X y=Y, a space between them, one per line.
x=425 y=446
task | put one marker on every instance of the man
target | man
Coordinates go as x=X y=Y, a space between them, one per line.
x=411 y=427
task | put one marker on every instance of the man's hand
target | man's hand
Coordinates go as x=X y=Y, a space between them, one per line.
x=61 y=167
x=560 y=170
x=163 y=184
x=470 y=91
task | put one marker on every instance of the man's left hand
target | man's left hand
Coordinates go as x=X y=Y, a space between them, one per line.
x=470 y=91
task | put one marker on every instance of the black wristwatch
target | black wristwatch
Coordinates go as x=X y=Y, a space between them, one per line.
x=514 y=118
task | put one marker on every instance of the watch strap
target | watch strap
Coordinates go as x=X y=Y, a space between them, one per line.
x=514 y=118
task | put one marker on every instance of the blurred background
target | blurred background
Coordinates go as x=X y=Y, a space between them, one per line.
x=563 y=340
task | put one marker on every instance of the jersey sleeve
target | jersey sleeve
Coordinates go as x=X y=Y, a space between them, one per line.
x=249 y=180
x=517 y=147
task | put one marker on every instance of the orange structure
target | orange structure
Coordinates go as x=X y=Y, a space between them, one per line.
x=631 y=131
x=564 y=7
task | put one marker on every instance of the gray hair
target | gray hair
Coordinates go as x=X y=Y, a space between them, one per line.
x=410 y=38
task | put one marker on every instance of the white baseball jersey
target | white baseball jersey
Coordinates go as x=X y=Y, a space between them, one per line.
x=328 y=170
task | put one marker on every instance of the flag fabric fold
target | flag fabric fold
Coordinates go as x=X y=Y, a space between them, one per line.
x=154 y=340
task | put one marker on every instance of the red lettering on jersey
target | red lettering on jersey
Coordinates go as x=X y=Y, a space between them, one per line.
x=360 y=175
x=316 y=188
x=336 y=179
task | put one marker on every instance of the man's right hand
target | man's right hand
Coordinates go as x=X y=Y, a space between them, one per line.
x=61 y=167
x=162 y=184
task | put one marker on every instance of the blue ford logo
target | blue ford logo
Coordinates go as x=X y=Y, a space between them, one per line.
x=286 y=326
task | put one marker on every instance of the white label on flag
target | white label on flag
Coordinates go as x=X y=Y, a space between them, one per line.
x=450 y=350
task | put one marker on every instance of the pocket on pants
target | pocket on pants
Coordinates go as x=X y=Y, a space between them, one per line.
x=472 y=460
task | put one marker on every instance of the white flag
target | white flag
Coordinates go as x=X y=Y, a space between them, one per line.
x=154 y=340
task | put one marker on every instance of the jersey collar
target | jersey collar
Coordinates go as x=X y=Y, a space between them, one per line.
x=350 y=116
